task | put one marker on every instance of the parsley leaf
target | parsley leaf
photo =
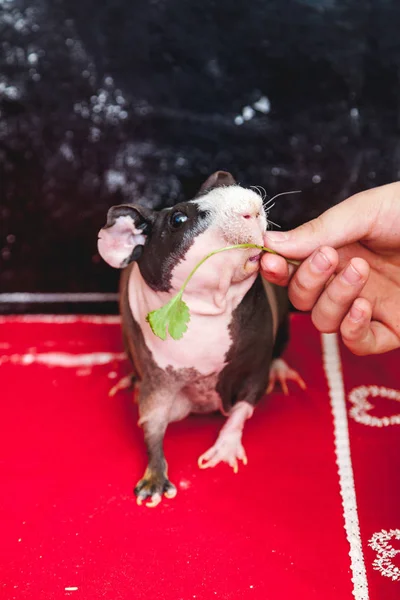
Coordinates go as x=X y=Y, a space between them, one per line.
x=173 y=316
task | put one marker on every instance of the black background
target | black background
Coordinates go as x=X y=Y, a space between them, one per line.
x=103 y=102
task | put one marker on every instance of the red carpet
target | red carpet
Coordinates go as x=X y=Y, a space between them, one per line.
x=277 y=530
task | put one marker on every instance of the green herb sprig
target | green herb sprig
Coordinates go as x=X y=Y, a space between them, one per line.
x=175 y=316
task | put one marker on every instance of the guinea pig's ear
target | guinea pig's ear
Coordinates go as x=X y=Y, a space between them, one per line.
x=217 y=179
x=122 y=238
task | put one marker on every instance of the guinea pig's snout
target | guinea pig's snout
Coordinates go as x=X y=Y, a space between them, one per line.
x=239 y=215
x=251 y=215
x=245 y=220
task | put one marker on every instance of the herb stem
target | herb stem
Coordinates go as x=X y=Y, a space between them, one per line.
x=210 y=254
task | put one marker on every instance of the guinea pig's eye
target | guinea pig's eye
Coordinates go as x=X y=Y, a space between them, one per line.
x=177 y=219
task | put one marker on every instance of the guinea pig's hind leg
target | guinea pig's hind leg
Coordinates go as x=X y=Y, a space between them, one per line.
x=228 y=447
x=280 y=371
x=155 y=483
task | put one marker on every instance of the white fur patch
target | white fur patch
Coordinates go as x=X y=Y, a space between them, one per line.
x=207 y=339
x=228 y=447
x=237 y=212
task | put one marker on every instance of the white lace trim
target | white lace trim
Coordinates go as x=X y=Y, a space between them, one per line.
x=63 y=319
x=332 y=366
x=385 y=552
x=361 y=407
x=64 y=359
x=52 y=298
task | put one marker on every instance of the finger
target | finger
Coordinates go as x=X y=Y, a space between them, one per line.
x=275 y=269
x=170 y=490
x=154 y=501
x=339 y=295
x=283 y=383
x=363 y=336
x=234 y=464
x=347 y=222
x=208 y=459
x=211 y=463
x=204 y=458
x=294 y=376
x=271 y=386
x=310 y=279
x=241 y=454
x=301 y=382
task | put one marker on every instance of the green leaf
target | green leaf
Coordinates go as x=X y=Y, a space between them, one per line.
x=173 y=316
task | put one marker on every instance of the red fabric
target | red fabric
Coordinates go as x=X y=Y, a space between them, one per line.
x=71 y=455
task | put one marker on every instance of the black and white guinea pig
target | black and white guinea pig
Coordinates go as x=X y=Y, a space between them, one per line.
x=238 y=327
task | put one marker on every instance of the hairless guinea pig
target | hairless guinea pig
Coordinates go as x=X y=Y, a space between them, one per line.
x=238 y=327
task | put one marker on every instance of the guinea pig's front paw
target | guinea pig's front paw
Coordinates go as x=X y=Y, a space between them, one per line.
x=153 y=486
x=228 y=448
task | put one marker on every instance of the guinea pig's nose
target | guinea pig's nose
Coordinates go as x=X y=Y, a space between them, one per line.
x=250 y=215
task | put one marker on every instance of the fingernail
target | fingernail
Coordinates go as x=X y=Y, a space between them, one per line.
x=351 y=275
x=320 y=262
x=277 y=236
x=356 y=314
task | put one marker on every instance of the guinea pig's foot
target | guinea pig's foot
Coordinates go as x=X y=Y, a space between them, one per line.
x=152 y=487
x=280 y=371
x=125 y=383
x=228 y=448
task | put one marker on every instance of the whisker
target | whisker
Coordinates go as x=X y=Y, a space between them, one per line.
x=255 y=188
x=272 y=223
x=260 y=190
x=265 y=204
x=283 y=194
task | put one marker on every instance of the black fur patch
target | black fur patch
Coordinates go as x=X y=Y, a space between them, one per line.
x=246 y=375
x=167 y=246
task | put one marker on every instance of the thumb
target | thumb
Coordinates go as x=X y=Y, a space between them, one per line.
x=345 y=223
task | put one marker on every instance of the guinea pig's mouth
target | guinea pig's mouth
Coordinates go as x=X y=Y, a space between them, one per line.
x=255 y=258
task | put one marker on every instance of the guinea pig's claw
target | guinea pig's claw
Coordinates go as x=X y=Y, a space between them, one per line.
x=280 y=371
x=301 y=382
x=155 y=500
x=171 y=492
x=202 y=463
x=123 y=384
x=229 y=453
x=150 y=492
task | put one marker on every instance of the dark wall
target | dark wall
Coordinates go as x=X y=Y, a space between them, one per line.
x=103 y=102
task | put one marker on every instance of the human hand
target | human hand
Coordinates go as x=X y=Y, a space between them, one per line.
x=350 y=275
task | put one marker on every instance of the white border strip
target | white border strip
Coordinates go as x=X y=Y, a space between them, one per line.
x=27 y=297
x=333 y=371
x=62 y=319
